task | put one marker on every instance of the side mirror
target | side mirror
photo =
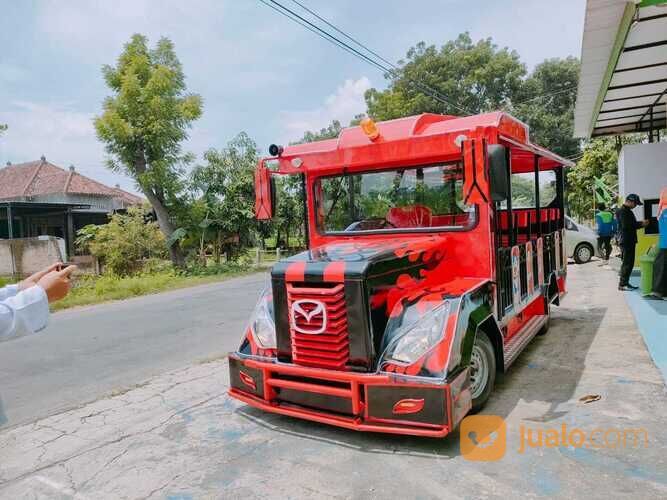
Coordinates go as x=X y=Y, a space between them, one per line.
x=498 y=172
x=264 y=193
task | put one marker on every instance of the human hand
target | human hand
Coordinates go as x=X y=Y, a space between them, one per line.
x=33 y=279
x=646 y=222
x=57 y=284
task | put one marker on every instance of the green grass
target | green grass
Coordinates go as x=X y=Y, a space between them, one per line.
x=89 y=290
x=6 y=281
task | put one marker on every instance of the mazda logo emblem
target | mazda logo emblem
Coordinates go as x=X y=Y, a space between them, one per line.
x=309 y=310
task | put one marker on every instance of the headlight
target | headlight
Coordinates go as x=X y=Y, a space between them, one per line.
x=262 y=323
x=415 y=334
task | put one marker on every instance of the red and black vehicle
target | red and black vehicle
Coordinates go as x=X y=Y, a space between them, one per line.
x=435 y=254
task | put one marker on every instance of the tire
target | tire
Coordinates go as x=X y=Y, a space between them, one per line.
x=482 y=371
x=583 y=253
x=545 y=328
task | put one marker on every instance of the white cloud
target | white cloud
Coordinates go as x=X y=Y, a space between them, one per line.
x=64 y=135
x=346 y=102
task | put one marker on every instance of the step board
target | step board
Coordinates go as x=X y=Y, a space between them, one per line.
x=517 y=343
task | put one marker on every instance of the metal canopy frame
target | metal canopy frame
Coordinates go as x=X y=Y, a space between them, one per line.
x=623 y=79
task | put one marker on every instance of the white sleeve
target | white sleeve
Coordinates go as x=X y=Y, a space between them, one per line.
x=25 y=313
x=8 y=291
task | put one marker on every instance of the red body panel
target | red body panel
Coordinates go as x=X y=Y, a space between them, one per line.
x=430 y=396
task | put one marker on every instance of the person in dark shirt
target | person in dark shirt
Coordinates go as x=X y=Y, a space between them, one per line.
x=627 y=238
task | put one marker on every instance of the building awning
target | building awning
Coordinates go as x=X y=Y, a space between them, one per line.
x=623 y=76
x=38 y=206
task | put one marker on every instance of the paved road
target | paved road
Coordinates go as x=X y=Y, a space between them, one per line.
x=86 y=353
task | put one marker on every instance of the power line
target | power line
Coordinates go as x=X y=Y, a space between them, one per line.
x=548 y=94
x=319 y=32
x=370 y=51
x=394 y=73
x=293 y=16
x=349 y=37
x=427 y=89
x=423 y=87
x=374 y=53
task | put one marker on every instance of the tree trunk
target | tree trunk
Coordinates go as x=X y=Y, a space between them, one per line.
x=218 y=244
x=167 y=228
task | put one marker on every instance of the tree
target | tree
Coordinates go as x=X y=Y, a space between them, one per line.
x=474 y=77
x=546 y=103
x=600 y=160
x=289 y=219
x=3 y=127
x=480 y=77
x=144 y=122
x=224 y=190
x=124 y=242
x=329 y=132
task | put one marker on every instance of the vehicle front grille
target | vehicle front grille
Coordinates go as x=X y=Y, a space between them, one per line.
x=318 y=325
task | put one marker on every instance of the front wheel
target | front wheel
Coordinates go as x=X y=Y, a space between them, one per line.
x=482 y=371
x=545 y=327
x=583 y=253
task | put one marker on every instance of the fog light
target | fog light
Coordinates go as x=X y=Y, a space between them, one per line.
x=250 y=382
x=407 y=406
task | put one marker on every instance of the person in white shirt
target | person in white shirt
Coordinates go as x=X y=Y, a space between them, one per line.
x=24 y=307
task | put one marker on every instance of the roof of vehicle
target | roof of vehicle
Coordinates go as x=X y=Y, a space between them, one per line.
x=417 y=137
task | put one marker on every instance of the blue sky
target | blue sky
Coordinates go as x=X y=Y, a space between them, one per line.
x=256 y=70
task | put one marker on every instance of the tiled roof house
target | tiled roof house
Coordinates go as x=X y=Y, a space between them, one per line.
x=41 y=198
x=41 y=181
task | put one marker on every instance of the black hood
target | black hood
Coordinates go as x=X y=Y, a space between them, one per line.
x=368 y=270
x=359 y=259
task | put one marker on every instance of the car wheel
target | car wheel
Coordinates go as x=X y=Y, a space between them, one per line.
x=583 y=253
x=545 y=328
x=482 y=371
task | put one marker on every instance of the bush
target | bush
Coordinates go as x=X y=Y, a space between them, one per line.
x=125 y=243
x=197 y=269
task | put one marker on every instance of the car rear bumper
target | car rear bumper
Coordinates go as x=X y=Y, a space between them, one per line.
x=360 y=402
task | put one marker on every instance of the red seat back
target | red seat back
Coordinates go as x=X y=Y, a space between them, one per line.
x=414 y=216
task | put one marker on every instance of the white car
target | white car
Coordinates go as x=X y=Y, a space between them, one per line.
x=581 y=242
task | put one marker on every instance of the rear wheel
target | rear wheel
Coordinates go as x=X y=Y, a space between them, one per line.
x=583 y=253
x=482 y=371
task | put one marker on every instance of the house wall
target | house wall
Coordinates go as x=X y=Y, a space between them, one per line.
x=642 y=169
x=24 y=256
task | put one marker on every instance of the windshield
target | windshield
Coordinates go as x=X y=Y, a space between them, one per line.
x=409 y=198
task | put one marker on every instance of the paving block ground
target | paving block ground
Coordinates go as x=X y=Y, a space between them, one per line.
x=179 y=436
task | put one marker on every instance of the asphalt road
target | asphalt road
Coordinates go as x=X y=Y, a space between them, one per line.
x=86 y=353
